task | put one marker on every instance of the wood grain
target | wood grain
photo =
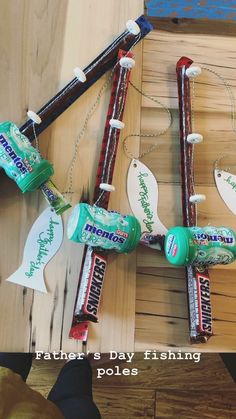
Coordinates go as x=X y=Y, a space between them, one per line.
x=201 y=26
x=162 y=388
x=171 y=374
x=68 y=126
x=117 y=315
x=48 y=41
x=128 y=403
x=204 y=404
x=37 y=59
x=27 y=79
x=161 y=309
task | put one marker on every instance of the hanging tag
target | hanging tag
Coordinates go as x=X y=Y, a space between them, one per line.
x=226 y=185
x=43 y=241
x=142 y=190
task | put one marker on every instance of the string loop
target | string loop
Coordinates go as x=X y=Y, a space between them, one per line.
x=228 y=90
x=146 y=135
x=88 y=116
x=232 y=117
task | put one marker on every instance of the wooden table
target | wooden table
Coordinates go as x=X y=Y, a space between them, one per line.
x=144 y=301
x=161 y=310
x=41 y=44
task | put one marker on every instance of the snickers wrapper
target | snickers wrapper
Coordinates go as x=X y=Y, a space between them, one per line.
x=200 y=313
x=88 y=299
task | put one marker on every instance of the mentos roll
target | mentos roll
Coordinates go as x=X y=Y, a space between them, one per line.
x=200 y=246
x=20 y=160
x=103 y=229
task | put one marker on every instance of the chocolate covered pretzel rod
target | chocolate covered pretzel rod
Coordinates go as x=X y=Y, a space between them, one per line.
x=94 y=262
x=199 y=303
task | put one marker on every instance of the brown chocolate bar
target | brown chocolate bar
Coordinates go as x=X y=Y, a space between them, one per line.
x=200 y=322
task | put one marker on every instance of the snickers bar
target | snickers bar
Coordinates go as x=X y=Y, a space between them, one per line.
x=90 y=288
x=200 y=314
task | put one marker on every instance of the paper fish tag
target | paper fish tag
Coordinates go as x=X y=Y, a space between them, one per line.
x=226 y=185
x=142 y=190
x=43 y=241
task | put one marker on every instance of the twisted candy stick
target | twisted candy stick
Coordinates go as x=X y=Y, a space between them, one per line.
x=38 y=122
x=94 y=262
x=136 y=30
x=199 y=304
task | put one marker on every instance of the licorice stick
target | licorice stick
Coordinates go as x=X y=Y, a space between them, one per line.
x=39 y=121
x=94 y=262
x=75 y=88
x=199 y=303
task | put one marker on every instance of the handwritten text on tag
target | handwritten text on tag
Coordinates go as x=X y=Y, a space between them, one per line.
x=43 y=241
x=226 y=185
x=142 y=192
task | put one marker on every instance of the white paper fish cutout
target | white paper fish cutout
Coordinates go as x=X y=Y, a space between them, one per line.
x=43 y=241
x=226 y=185
x=142 y=190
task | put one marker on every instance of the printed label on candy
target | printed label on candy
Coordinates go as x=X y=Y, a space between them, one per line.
x=54 y=198
x=171 y=245
x=43 y=241
x=96 y=277
x=103 y=229
x=118 y=236
x=84 y=281
x=20 y=160
x=21 y=164
x=90 y=286
x=193 y=306
x=203 y=301
x=215 y=245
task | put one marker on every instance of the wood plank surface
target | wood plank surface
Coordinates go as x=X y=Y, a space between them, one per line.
x=127 y=403
x=205 y=9
x=28 y=79
x=207 y=404
x=41 y=43
x=116 y=327
x=170 y=374
x=161 y=305
x=162 y=388
x=186 y=25
x=50 y=39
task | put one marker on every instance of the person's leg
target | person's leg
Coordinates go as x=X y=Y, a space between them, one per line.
x=229 y=360
x=20 y=363
x=72 y=392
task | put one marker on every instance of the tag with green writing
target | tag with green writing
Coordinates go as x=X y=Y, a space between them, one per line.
x=226 y=185
x=142 y=190
x=43 y=241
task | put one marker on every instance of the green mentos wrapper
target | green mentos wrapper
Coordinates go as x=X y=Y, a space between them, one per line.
x=55 y=199
x=200 y=246
x=20 y=160
x=103 y=229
